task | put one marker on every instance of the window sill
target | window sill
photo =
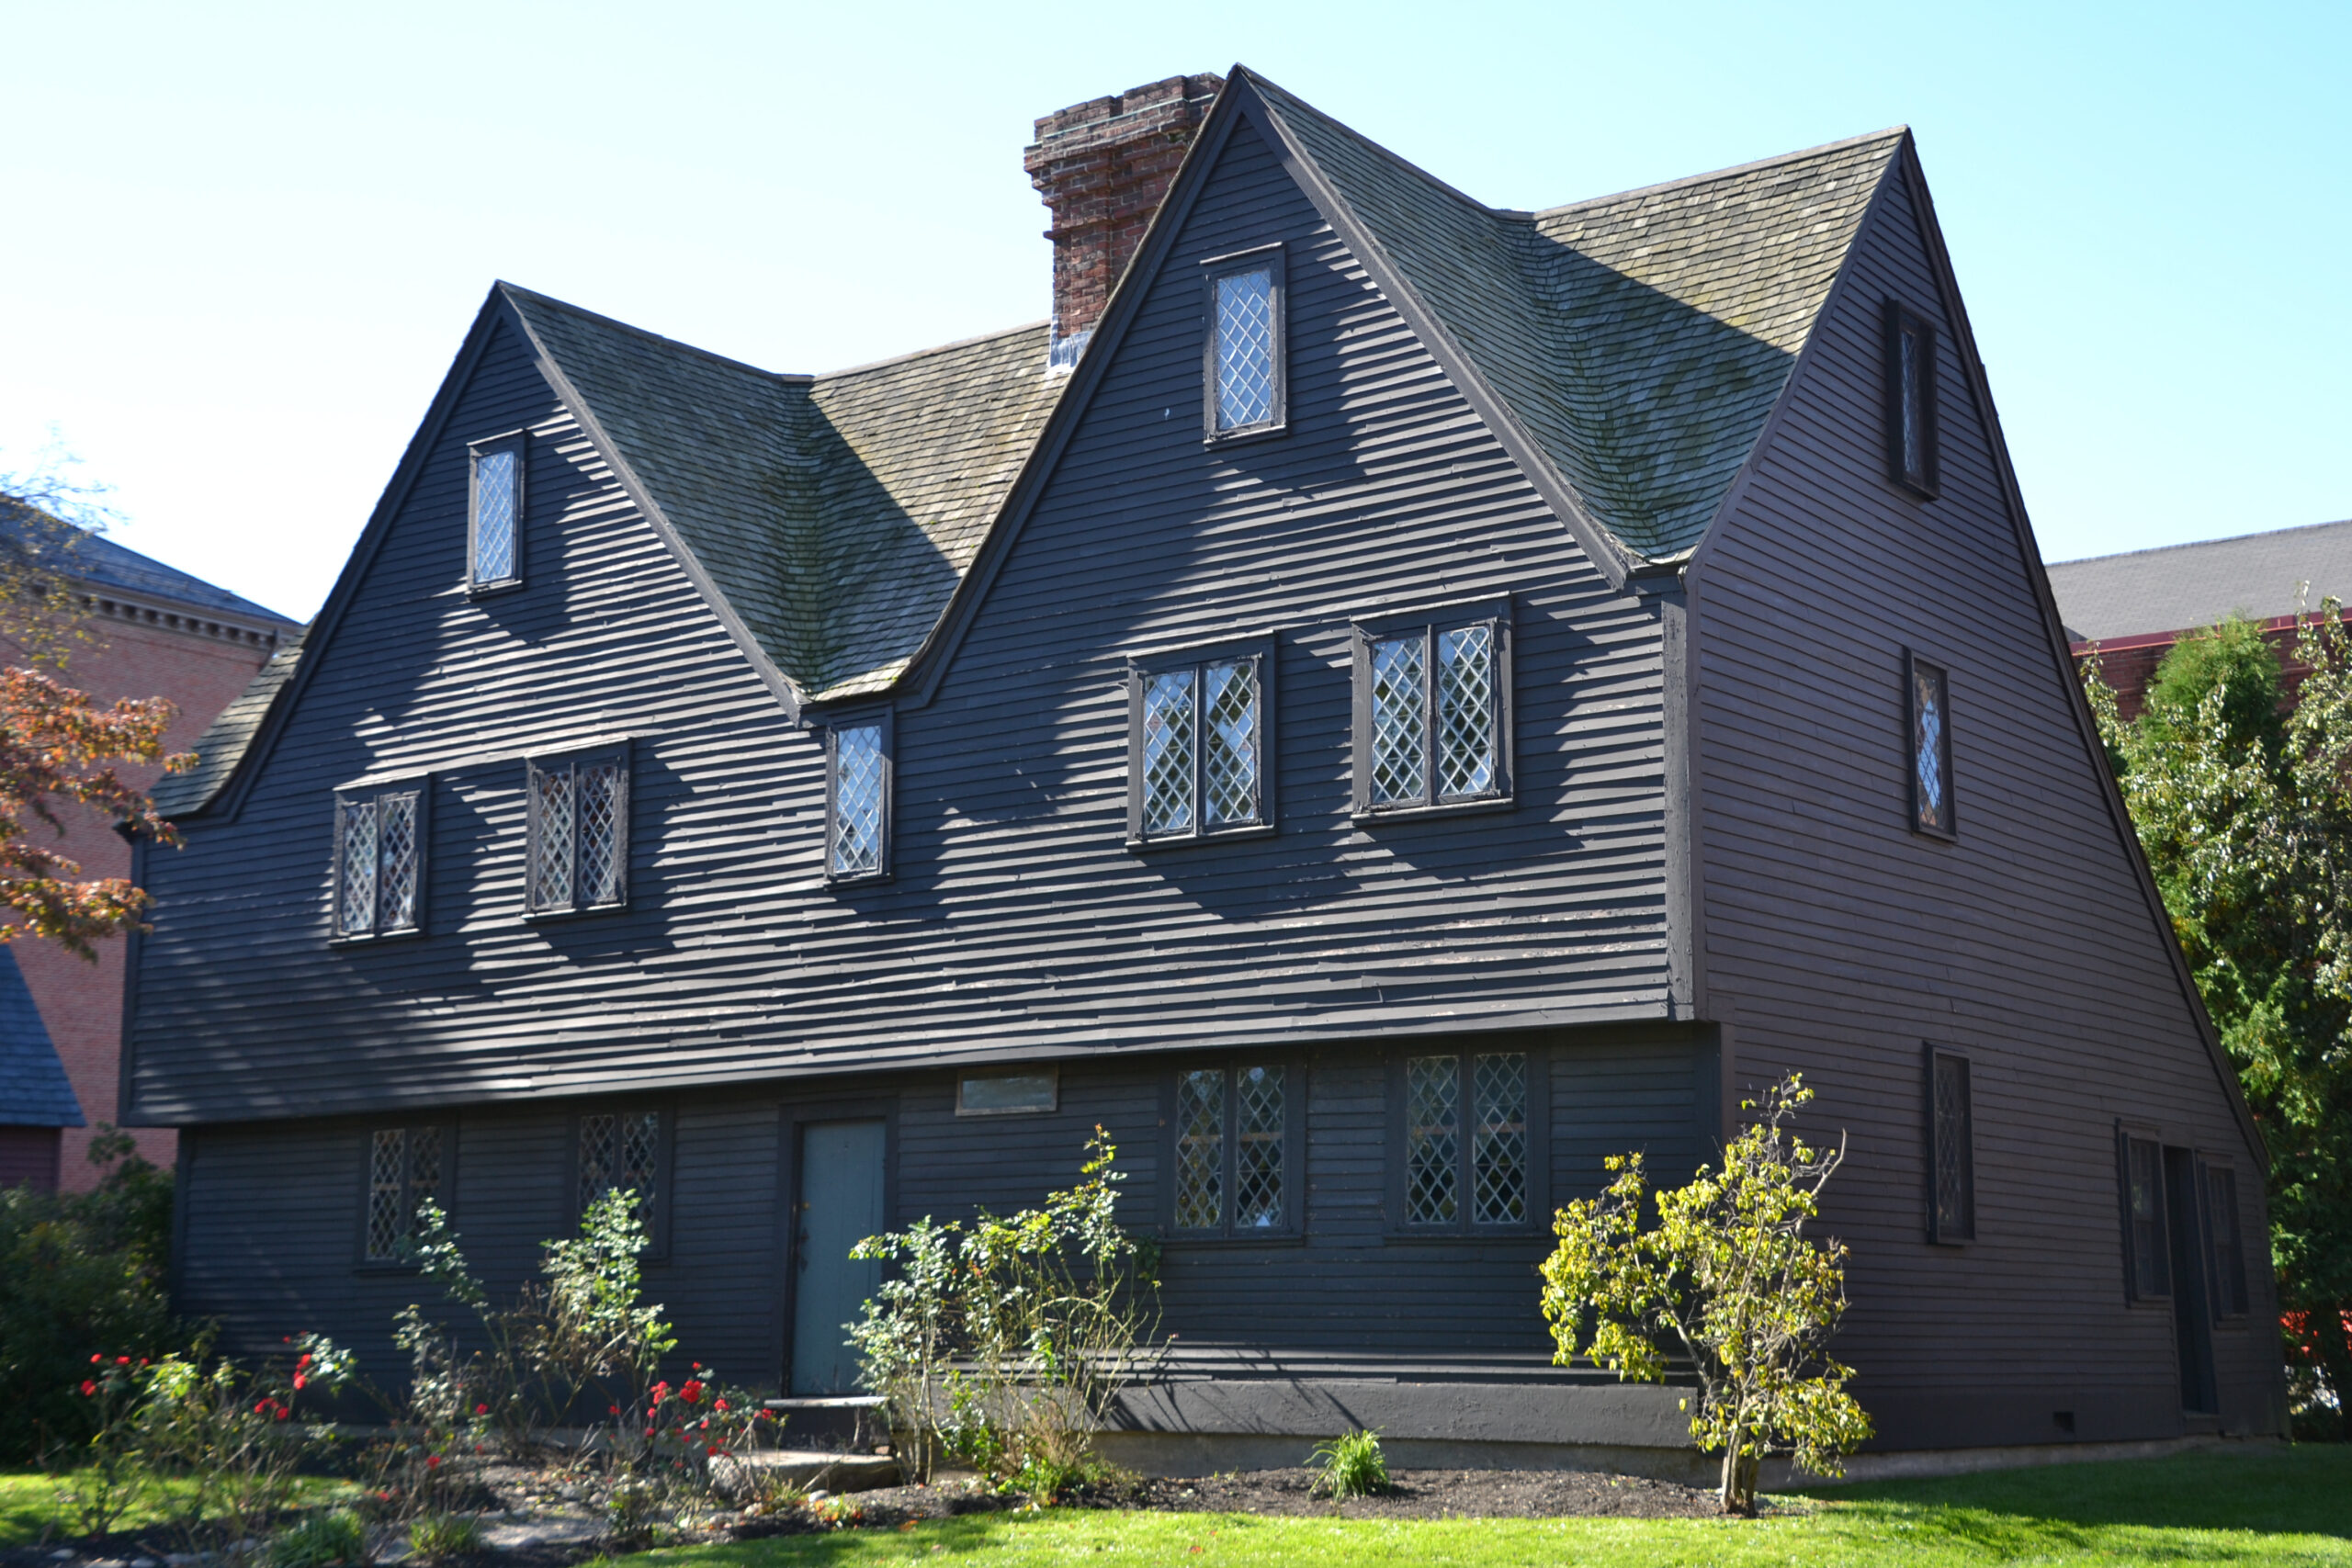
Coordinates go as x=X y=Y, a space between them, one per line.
x=1245 y=1238
x=1246 y=433
x=1941 y=835
x=1529 y=1231
x=375 y=939
x=493 y=590
x=537 y=917
x=1472 y=808
x=1196 y=840
x=863 y=879
x=386 y=1265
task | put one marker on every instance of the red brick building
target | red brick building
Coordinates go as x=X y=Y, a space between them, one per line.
x=2132 y=607
x=159 y=632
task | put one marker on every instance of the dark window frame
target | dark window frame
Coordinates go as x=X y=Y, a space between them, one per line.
x=1941 y=1232
x=655 y=1215
x=1924 y=480
x=1363 y=631
x=2226 y=1286
x=418 y=786
x=621 y=753
x=1398 y=1112
x=1948 y=829
x=1049 y=1071
x=444 y=1190
x=1274 y=258
x=1233 y=1063
x=1261 y=651
x=2138 y=1288
x=885 y=718
x=518 y=442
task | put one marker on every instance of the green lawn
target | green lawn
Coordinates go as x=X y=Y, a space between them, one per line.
x=2281 y=1507
x=28 y=1507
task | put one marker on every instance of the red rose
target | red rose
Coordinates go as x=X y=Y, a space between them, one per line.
x=123 y=1361
x=299 y=1380
x=432 y=1462
x=718 y=1405
x=615 y=1409
x=305 y=1360
x=283 y=1413
x=88 y=1387
x=95 y=1360
x=691 y=1392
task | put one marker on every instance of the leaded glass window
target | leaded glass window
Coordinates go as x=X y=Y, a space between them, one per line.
x=379 y=862
x=1911 y=399
x=621 y=1150
x=1198 y=752
x=497 y=515
x=404 y=1168
x=1432 y=1140
x=577 y=856
x=1430 y=714
x=1247 y=355
x=1232 y=1141
x=1498 y=1158
x=2144 y=1207
x=860 y=794
x=1398 y=706
x=1950 y=1154
x=1931 y=784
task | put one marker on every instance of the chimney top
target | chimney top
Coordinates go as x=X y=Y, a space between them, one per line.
x=1103 y=168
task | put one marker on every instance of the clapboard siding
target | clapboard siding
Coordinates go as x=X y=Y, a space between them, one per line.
x=273 y=1241
x=1837 y=942
x=1017 y=922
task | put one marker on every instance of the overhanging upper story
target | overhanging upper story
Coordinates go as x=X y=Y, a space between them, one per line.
x=1305 y=666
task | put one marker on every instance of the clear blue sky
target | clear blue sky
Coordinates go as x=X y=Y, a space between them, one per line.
x=244 y=241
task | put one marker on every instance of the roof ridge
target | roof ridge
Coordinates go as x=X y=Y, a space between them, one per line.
x=2203 y=544
x=1724 y=173
x=974 y=340
x=1406 y=164
x=789 y=378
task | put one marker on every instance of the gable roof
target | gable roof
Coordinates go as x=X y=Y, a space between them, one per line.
x=1628 y=350
x=1640 y=340
x=223 y=745
x=2178 y=587
x=34 y=1090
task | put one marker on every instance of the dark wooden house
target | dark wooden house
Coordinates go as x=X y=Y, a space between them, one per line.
x=1392 y=702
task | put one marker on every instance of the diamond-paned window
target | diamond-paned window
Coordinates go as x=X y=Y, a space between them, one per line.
x=1499 y=1149
x=1258 y=1150
x=1952 y=1215
x=577 y=857
x=1399 y=705
x=1232 y=1138
x=2143 y=1203
x=379 y=862
x=1931 y=802
x=404 y=1168
x=497 y=506
x=1465 y=712
x=1432 y=1140
x=355 y=905
x=1229 y=743
x=1911 y=400
x=1430 y=710
x=621 y=1150
x=1200 y=1149
x=1197 y=756
x=1247 y=349
x=860 y=798
x=1168 y=759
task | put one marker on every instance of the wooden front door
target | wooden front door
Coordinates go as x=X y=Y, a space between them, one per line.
x=840 y=1205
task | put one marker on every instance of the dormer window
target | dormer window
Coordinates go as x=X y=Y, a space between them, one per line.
x=1910 y=400
x=494 y=530
x=1244 y=369
x=578 y=830
x=857 y=800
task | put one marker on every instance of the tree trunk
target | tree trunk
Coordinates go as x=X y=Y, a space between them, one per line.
x=1738 y=1491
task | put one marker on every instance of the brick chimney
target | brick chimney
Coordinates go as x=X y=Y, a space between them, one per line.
x=1102 y=167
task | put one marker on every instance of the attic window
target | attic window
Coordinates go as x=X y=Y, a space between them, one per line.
x=1244 y=370
x=857 y=800
x=494 y=529
x=1910 y=400
x=1931 y=782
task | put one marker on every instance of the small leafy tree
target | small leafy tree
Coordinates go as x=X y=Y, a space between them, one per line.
x=1720 y=1272
x=1004 y=1344
x=2244 y=809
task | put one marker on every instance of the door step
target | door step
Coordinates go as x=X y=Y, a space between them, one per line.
x=845 y=1422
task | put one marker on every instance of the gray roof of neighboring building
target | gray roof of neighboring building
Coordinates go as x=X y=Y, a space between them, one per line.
x=2178 y=587
x=98 y=561
x=34 y=1090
